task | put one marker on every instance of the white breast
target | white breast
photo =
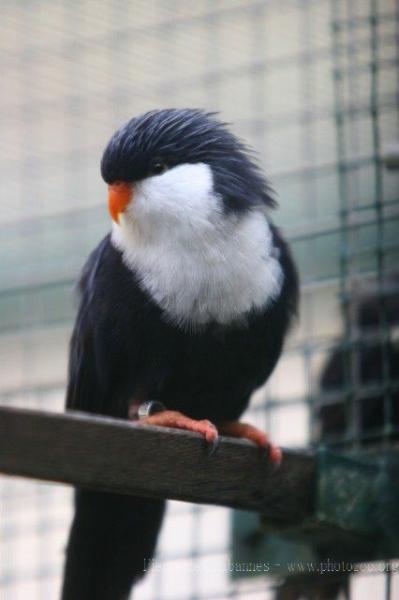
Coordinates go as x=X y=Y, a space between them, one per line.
x=206 y=266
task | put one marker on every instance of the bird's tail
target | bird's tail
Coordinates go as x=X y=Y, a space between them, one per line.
x=112 y=538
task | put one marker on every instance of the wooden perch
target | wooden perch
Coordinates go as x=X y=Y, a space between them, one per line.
x=119 y=456
x=348 y=499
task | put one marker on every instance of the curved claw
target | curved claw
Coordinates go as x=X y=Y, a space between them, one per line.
x=173 y=418
x=213 y=445
x=250 y=432
x=275 y=455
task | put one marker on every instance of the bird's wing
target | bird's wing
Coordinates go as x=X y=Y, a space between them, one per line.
x=97 y=356
x=84 y=390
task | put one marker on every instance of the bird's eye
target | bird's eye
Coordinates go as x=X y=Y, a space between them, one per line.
x=158 y=167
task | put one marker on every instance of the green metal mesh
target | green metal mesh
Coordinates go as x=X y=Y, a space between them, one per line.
x=312 y=85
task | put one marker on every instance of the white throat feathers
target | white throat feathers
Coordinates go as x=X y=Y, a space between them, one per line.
x=197 y=263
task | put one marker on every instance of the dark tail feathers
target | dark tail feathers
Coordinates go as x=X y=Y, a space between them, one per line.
x=110 y=538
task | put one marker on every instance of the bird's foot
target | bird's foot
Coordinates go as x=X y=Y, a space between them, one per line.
x=249 y=432
x=173 y=418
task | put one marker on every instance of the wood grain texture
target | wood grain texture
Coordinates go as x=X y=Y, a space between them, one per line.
x=119 y=456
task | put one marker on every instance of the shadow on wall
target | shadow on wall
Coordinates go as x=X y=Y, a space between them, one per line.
x=358 y=406
x=359 y=383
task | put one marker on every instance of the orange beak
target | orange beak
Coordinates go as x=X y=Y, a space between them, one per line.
x=119 y=196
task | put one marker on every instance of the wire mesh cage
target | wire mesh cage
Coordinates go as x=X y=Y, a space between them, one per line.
x=312 y=85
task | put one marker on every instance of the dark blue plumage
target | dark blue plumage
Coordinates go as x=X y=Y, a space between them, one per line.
x=127 y=348
x=186 y=136
x=124 y=350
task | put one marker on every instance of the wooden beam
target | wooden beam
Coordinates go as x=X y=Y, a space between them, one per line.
x=119 y=456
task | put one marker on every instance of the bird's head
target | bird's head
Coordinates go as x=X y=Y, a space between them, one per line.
x=179 y=168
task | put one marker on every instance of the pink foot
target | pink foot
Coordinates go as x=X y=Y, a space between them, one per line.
x=173 y=418
x=249 y=432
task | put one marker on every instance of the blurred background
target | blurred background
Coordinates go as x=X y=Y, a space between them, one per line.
x=312 y=85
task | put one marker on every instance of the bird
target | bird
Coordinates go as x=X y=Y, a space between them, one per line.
x=186 y=302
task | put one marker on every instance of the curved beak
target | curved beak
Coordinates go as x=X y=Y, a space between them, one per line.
x=119 y=196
